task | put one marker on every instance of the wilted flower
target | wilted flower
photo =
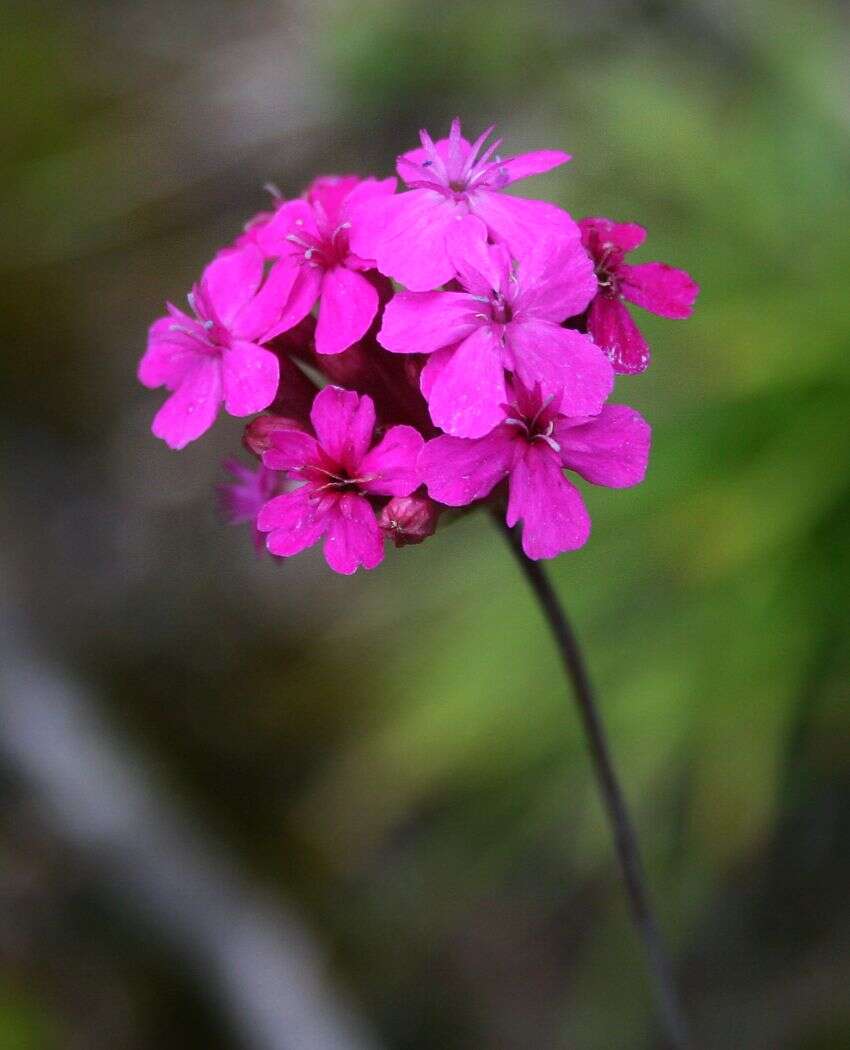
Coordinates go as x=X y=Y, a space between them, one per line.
x=655 y=286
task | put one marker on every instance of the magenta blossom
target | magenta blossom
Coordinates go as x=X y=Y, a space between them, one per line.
x=447 y=180
x=530 y=447
x=312 y=236
x=215 y=356
x=505 y=318
x=340 y=472
x=242 y=498
x=655 y=286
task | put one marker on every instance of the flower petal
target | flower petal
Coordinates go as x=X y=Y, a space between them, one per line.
x=391 y=464
x=353 y=536
x=231 y=280
x=659 y=288
x=554 y=517
x=566 y=364
x=412 y=247
x=266 y=309
x=294 y=521
x=614 y=330
x=481 y=268
x=466 y=398
x=458 y=471
x=623 y=235
x=290 y=218
x=170 y=353
x=249 y=378
x=366 y=191
x=612 y=449
x=302 y=296
x=432 y=369
x=503 y=172
x=327 y=193
x=556 y=280
x=192 y=408
x=520 y=223
x=347 y=307
x=421 y=322
x=290 y=450
x=344 y=423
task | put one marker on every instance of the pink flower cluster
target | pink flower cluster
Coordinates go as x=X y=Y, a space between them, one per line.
x=415 y=348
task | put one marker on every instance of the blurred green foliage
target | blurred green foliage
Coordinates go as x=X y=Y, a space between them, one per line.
x=398 y=752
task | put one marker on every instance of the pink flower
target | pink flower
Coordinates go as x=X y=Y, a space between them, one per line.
x=339 y=471
x=656 y=287
x=242 y=498
x=312 y=236
x=215 y=356
x=530 y=447
x=505 y=318
x=406 y=233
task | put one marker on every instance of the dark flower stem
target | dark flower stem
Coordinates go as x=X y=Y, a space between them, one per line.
x=625 y=839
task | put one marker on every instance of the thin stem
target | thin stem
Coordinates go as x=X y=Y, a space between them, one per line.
x=625 y=839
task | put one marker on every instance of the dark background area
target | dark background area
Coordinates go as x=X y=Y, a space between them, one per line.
x=390 y=760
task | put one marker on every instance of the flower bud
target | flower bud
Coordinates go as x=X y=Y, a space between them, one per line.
x=409 y=519
x=257 y=437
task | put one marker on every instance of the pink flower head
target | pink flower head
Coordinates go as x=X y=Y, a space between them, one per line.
x=531 y=446
x=242 y=498
x=312 y=237
x=655 y=286
x=447 y=180
x=215 y=356
x=340 y=471
x=505 y=318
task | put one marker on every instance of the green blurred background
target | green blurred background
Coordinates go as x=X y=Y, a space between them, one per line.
x=394 y=756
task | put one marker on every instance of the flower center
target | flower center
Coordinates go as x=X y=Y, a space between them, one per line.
x=210 y=337
x=329 y=249
x=606 y=266
x=500 y=309
x=539 y=427
x=336 y=479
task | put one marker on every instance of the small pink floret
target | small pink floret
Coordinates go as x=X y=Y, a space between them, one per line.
x=531 y=446
x=447 y=180
x=341 y=472
x=312 y=238
x=216 y=355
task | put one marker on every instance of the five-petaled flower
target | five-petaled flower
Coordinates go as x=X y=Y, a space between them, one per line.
x=340 y=470
x=312 y=236
x=447 y=180
x=506 y=318
x=216 y=355
x=530 y=447
x=657 y=287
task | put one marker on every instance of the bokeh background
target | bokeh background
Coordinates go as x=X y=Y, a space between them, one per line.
x=390 y=763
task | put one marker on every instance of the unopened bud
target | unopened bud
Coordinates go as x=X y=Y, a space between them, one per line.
x=409 y=519
x=257 y=437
